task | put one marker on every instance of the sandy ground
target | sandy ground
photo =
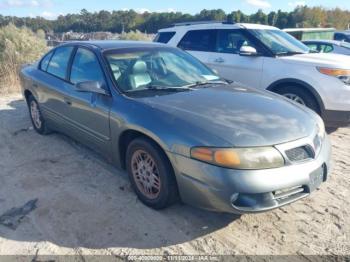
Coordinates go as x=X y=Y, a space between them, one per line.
x=85 y=206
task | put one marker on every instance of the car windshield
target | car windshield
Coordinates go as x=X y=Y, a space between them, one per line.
x=158 y=69
x=279 y=42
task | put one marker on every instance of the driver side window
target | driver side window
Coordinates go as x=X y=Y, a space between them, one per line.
x=86 y=67
x=231 y=41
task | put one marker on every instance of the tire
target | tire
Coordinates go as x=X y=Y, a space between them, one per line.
x=300 y=96
x=160 y=191
x=36 y=117
x=331 y=130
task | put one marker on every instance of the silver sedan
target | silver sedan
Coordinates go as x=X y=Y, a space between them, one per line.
x=179 y=130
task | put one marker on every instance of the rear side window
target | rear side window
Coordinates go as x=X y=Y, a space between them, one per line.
x=59 y=61
x=164 y=37
x=86 y=67
x=45 y=61
x=199 y=40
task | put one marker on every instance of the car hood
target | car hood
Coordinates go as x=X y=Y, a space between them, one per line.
x=319 y=59
x=240 y=116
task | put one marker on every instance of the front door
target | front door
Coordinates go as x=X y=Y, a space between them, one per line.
x=89 y=112
x=230 y=64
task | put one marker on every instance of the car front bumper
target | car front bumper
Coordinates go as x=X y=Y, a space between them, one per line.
x=249 y=191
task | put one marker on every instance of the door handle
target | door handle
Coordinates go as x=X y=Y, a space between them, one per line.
x=219 y=60
x=67 y=101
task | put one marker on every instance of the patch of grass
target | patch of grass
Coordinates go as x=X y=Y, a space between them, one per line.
x=136 y=36
x=18 y=46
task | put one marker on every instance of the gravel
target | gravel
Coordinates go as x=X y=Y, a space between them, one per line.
x=85 y=206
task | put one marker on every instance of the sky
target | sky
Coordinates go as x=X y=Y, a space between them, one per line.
x=50 y=9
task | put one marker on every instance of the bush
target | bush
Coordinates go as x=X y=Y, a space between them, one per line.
x=18 y=46
x=135 y=35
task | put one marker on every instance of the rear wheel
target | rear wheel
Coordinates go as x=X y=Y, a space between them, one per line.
x=151 y=174
x=300 y=96
x=36 y=117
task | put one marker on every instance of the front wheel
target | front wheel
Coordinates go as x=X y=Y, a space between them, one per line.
x=300 y=96
x=151 y=174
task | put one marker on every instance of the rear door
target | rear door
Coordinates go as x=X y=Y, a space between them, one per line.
x=199 y=43
x=50 y=85
x=89 y=112
x=230 y=64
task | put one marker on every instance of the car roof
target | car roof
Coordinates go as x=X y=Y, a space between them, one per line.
x=116 y=44
x=214 y=25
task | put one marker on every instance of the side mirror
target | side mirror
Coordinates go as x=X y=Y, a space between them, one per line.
x=248 y=51
x=90 y=86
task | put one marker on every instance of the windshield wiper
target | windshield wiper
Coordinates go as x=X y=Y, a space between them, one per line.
x=289 y=53
x=204 y=83
x=179 y=88
x=159 y=87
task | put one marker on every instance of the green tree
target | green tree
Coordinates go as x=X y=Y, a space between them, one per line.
x=272 y=18
x=259 y=17
x=212 y=15
x=117 y=21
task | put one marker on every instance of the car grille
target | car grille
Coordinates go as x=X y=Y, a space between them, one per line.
x=299 y=154
x=281 y=195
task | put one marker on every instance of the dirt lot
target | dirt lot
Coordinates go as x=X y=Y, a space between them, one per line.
x=85 y=206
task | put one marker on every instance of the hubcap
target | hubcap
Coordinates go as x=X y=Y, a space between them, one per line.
x=146 y=174
x=295 y=98
x=35 y=113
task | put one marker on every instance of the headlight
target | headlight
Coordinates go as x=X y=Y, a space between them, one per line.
x=321 y=132
x=240 y=158
x=320 y=136
x=342 y=74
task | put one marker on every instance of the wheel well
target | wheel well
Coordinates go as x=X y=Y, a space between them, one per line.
x=128 y=136
x=27 y=94
x=124 y=141
x=277 y=87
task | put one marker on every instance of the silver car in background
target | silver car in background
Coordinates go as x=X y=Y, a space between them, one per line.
x=179 y=130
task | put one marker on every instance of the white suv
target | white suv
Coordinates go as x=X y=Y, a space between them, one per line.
x=268 y=58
